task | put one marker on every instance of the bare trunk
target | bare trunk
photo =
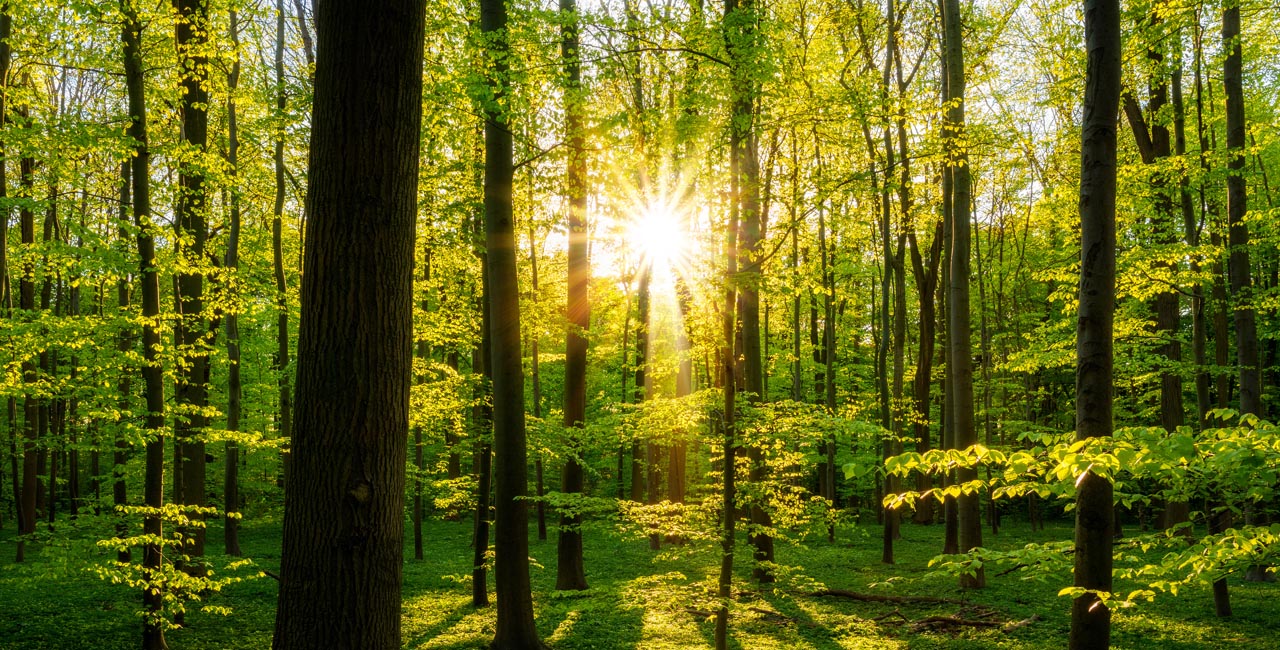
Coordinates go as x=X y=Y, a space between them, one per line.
x=1095 y=521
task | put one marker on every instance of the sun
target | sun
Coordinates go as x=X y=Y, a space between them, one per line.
x=659 y=234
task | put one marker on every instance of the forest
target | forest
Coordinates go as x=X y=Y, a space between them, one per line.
x=651 y=324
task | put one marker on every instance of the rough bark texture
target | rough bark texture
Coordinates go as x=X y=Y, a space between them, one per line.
x=344 y=521
x=1090 y=618
x=515 y=628
x=570 y=573
x=961 y=357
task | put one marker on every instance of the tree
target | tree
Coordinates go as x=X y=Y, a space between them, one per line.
x=570 y=574
x=960 y=358
x=231 y=473
x=1090 y=617
x=515 y=628
x=191 y=390
x=343 y=540
x=152 y=373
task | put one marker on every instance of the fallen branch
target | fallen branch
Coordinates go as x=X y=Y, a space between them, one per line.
x=943 y=621
x=1020 y=624
x=896 y=612
x=878 y=598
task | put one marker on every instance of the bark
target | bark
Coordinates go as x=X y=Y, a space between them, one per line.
x=341 y=560
x=1242 y=289
x=231 y=462
x=515 y=627
x=124 y=386
x=641 y=382
x=281 y=361
x=152 y=373
x=1238 y=233
x=536 y=378
x=1090 y=618
x=191 y=390
x=961 y=355
x=570 y=572
x=423 y=352
x=728 y=507
x=482 y=464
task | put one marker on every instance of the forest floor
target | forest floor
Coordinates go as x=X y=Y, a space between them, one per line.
x=642 y=599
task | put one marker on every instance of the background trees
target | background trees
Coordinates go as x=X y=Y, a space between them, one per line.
x=778 y=169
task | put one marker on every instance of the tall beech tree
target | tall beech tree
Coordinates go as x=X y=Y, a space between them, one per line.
x=741 y=36
x=960 y=357
x=515 y=627
x=284 y=385
x=1238 y=272
x=340 y=573
x=570 y=574
x=191 y=390
x=152 y=373
x=1095 y=523
x=231 y=472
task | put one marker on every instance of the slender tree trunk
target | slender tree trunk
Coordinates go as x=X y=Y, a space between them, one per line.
x=285 y=398
x=1095 y=521
x=641 y=379
x=570 y=572
x=231 y=464
x=728 y=505
x=515 y=627
x=1242 y=289
x=341 y=560
x=191 y=390
x=423 y=352
x=152 y=373
x=535 y=376
x=124 y=385
x=961 y=356
x=482 y=464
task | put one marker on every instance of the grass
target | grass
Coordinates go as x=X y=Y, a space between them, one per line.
x=638 y=599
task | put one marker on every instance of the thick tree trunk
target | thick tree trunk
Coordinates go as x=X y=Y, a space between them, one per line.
x=341 y=560
x=1091 y=618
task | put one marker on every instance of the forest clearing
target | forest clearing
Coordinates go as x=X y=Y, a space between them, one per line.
x=328 y=324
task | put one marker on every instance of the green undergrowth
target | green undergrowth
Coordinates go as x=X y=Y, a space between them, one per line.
x=642 y=599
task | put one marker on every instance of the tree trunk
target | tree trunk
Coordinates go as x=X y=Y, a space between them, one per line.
x=515 y=627
x=570 y=573
x=1091 y=618
x=231 y=462
x=285 y=398
x=1242 y=290
x=191 y=390
x=152 y=373
x=343 y=543
x=728 y=505
x=961 y=357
